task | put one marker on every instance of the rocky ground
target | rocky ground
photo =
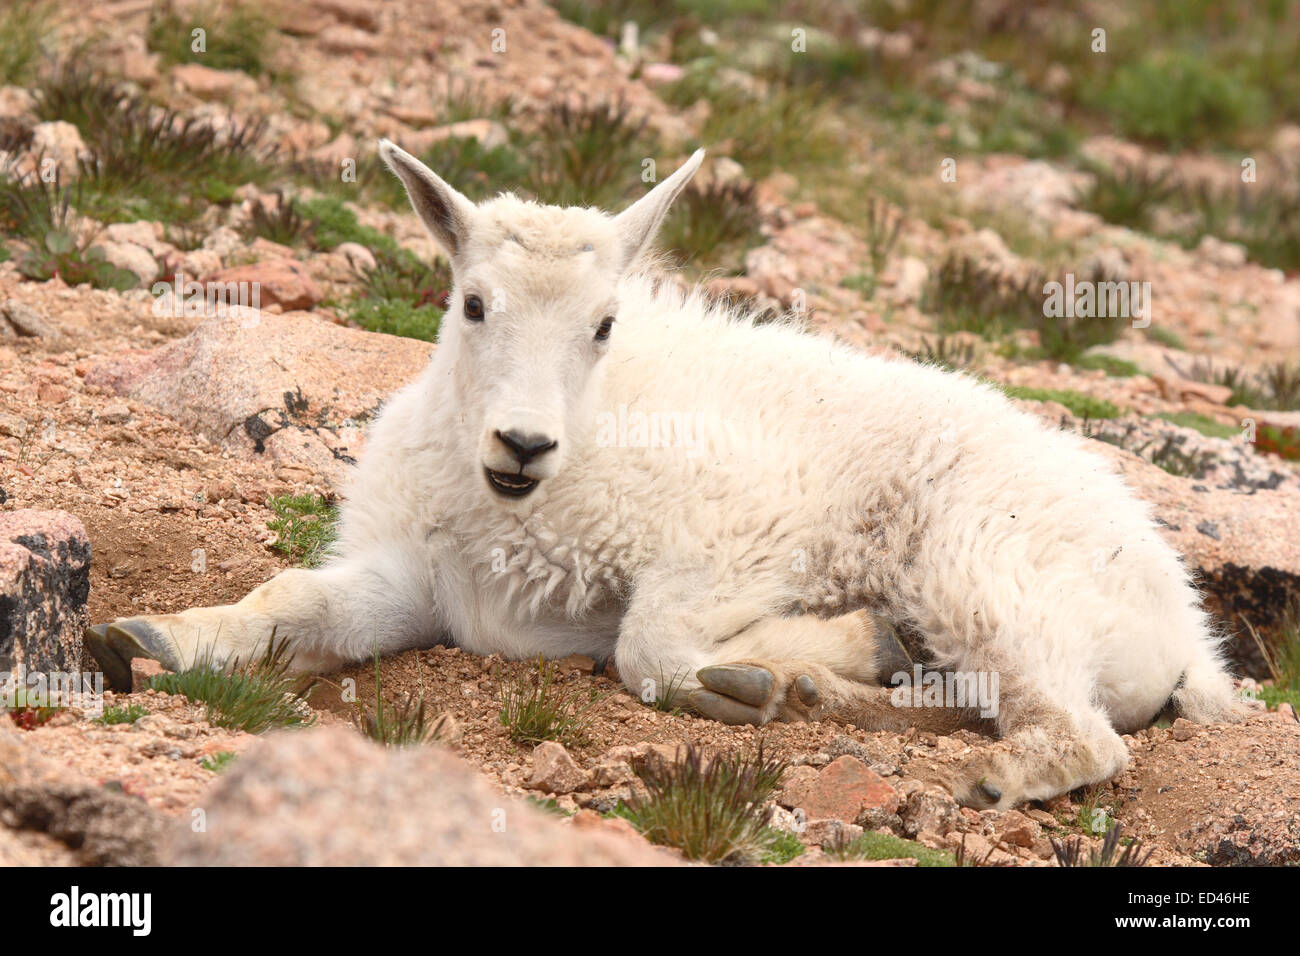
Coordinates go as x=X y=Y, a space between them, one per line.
x=165 y=435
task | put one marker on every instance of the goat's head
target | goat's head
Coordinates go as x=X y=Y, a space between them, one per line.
x=533 y=307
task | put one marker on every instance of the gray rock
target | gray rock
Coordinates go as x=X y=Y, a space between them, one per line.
x=44 y=583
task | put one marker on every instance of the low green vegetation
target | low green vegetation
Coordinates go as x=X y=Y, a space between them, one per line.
x=882 y=846
x=122 y=715
x=711 y=809
x=252 y=696
x=305 y=526
x=218 y=761
x=234 y=35
x=405 y=724
x=1202 y=423
x=41 y=219
x=24 y=25
x=401 y=296
x=148 y=162
x=535 y=707
x=1114 y=367
x=1080 y=405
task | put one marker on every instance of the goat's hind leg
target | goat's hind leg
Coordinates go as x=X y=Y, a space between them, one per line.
x=326 y=617
x=798 y=668
x=1046 y=750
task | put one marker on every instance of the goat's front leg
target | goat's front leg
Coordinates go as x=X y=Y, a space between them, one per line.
x=732 y=659
x=327 y=617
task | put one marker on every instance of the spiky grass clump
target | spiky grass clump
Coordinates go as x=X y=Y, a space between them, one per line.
x=1128 y=195
x=947 y=351
x=235 y=35
x=305 y=526
x=285 y=223
x=782 y=129
x=534 y=708
x=969 y=296
x=881 y=846
x=712 y=809
x=254 y=696
x=1070 y=852
x=1276 y=387
x=149 y=162
x=1281 y=654
x=398 y=725
x=713 y=224
x=476 y=170
x=588 y=152
x=122 y=715
x=24 y=25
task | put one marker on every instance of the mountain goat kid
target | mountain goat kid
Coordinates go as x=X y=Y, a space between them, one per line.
x=596 y=463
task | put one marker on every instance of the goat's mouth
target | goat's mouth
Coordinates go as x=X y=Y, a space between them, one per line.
x=513 y=486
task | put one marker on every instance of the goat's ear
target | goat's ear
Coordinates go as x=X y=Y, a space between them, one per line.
x=445 y=212
x=638 y=223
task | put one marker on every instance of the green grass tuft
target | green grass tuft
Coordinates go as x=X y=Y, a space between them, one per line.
x=254 y=696
x=534 y=709
x=881 y=846
x=305 y=525
x=1114 y=367
x=122 y=715
x=710 y=809
x=398 y=725
x=24 y=26
x=235 y=35
x=218 y=761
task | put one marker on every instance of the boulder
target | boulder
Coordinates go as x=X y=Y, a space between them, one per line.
x=284 y=803
x=44 y=584
x=286 y=389
x=281 y=282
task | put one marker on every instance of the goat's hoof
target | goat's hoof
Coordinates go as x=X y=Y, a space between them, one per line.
x=114 y=645
x=745 y=682
x=755 y=693
x=725 y=709
x=806 y=688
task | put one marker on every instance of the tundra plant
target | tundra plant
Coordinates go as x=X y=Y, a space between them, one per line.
x=915 y=498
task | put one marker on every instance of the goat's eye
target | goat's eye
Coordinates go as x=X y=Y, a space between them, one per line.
x=603 y=330
x=473 y=308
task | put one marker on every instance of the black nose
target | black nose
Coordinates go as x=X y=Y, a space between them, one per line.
x=525 y=447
